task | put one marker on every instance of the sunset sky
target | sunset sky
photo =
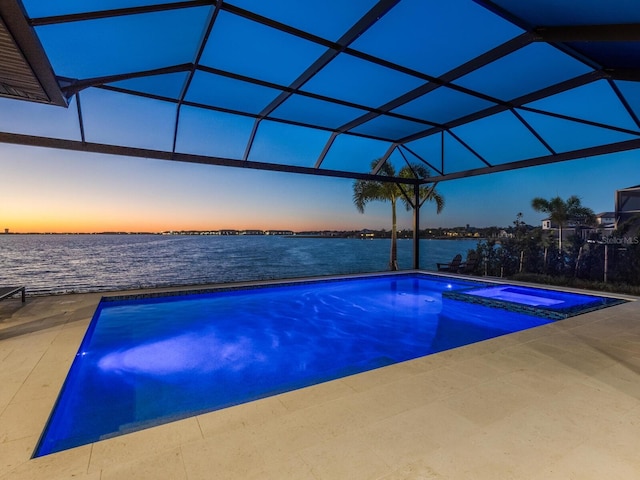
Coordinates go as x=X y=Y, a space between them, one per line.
x=45 y=190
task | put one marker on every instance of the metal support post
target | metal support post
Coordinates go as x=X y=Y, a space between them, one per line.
x=416 y=226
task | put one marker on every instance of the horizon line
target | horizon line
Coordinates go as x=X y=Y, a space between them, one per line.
x=250 y=231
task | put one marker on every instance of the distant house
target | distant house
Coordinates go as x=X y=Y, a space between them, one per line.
x=570 y=228
x=547 y=224
x=606 y=219
x=627 y=204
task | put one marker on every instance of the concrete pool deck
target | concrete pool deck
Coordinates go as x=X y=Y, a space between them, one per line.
x=558 y=401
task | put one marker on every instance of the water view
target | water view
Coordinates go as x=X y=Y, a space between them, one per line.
x=52 y=264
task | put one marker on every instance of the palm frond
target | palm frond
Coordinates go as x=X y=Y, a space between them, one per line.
x=365 y=191
x=540 y=205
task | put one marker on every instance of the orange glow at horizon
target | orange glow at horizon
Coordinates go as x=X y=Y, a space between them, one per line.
x=82 y=225
x=97 y=221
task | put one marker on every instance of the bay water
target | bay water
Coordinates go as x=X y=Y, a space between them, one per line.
x=55 y=264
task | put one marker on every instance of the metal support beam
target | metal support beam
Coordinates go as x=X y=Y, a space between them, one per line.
x=412 y=152
x=533 y=162
x=625 y=103
x=366 y=22
x=517 y=102
x=628 y=74
x=590 y=33
x=416 y=227
x=444 y=80
x=325 y=150
x=533 y=131
x=442 y=151
x=75 y=86
x=80 y=118
x=75 y=145
x=116 y=12
x=187 y=83
x=384 y=159
x=252 y=137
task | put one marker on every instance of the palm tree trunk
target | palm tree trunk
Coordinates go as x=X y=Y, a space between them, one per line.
x=393 y=258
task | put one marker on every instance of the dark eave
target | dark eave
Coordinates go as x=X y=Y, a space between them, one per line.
x=25 y=72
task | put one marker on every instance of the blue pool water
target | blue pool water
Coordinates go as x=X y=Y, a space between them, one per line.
x=149 y=361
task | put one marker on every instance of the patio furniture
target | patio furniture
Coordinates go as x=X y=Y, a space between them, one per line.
x=452 y=266
x=469 y=265
x=6 y=292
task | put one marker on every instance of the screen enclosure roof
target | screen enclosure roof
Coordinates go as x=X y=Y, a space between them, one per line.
x=464 y=87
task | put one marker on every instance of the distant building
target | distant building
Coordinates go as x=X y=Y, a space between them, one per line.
x=6 y=231
x=605 y=224
x=606 y=219
x=547 y=224
x=278 y=232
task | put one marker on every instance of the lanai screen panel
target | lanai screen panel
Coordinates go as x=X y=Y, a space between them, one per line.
x=627 y=204
x=466 y=87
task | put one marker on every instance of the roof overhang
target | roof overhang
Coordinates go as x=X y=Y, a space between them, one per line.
x=25 y=72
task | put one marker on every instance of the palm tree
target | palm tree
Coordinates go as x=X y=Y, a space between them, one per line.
x=365 y=191
x=560 y=212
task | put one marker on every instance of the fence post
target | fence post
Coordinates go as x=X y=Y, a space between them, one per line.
x=606 y=257
x=521 y=259
x=575 y=274
x=544 y=262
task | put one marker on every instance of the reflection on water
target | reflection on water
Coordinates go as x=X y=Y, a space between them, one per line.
x=194 y=354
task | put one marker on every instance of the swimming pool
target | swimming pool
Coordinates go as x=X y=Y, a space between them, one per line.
x=151 y=360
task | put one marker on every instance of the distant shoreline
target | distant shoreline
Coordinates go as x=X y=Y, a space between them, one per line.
x=439 y=233
x=336 y=235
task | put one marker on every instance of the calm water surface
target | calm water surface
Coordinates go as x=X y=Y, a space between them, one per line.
x=49 y=264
